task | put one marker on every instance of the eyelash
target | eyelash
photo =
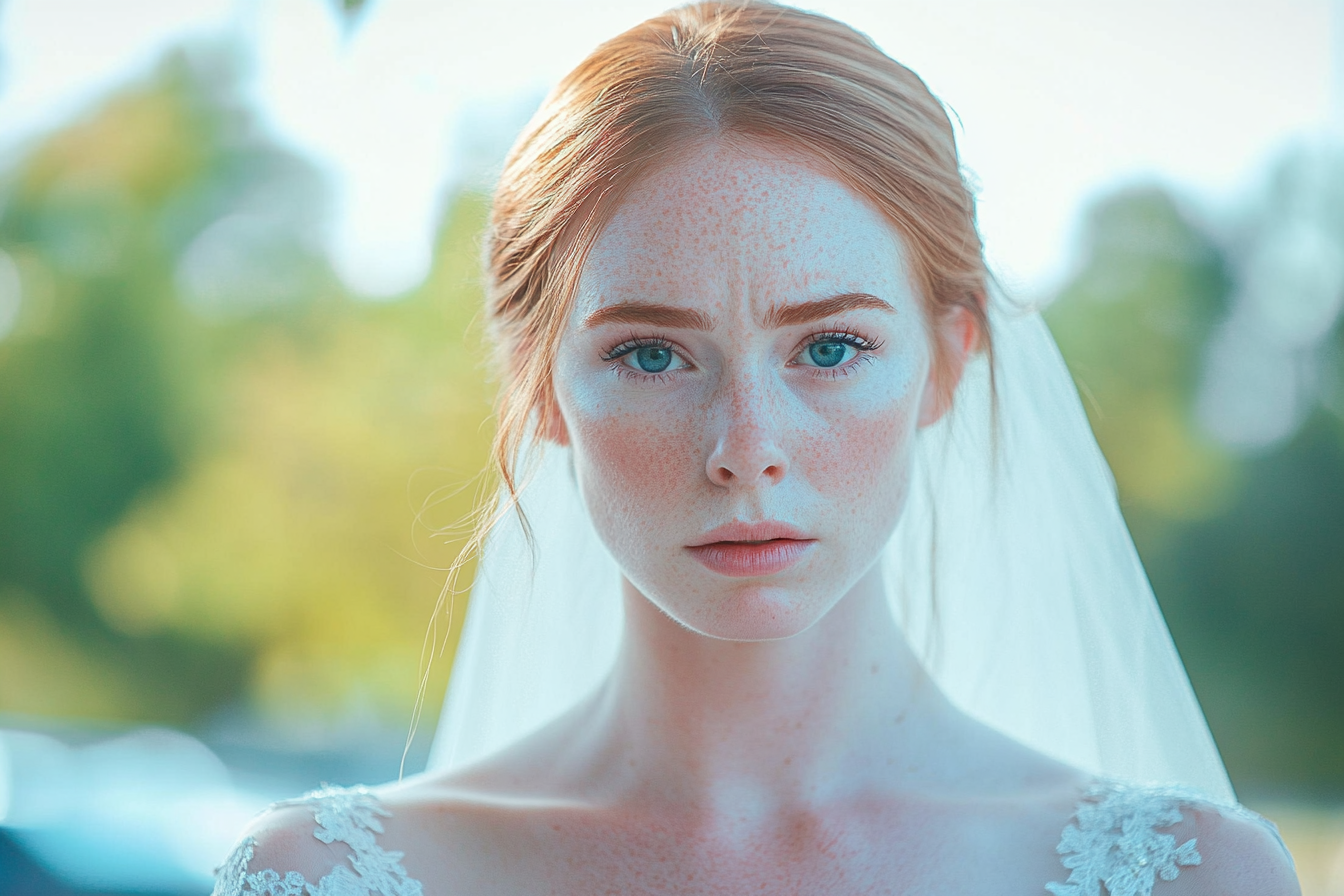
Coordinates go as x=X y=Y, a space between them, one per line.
x=636 y=342
x=865 y=352
x=864 y=346
x=614 y=356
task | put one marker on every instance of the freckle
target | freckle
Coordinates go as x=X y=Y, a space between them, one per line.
x=788 y=760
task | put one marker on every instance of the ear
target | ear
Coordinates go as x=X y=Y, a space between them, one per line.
x=955 y=337
x=550 y=422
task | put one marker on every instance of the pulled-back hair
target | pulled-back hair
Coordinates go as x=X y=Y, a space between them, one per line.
x=753 y=71
x=749 y=72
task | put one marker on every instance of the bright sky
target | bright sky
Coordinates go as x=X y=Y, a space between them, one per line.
x=1059 y=99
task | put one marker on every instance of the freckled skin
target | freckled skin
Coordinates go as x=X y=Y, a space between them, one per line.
x=826 y=451
x=772 y=734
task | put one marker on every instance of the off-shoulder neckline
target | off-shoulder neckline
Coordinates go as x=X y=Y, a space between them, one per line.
x=1116 y=837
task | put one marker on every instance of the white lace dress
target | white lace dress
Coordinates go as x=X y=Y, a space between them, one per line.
x=1115 y=840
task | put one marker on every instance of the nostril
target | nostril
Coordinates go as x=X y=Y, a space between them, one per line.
x=746 y=456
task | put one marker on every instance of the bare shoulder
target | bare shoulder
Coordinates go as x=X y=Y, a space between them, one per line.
x=483 y=835
x=1241 y=854
x=278 y=846
x=326 y=841
x=1170 y=841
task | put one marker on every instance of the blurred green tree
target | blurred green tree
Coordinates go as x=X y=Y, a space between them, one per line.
x=213 y=460
x=100 y=380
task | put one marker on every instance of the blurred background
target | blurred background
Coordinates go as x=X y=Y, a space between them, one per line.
x=244 y=404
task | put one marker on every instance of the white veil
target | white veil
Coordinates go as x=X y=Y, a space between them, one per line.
x=1033 y=613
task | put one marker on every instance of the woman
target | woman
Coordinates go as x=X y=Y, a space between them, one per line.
x=873 y=632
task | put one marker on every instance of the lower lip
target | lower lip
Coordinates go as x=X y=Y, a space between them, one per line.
x=743 y=559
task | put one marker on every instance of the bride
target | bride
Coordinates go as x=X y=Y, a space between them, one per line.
x=807 y=576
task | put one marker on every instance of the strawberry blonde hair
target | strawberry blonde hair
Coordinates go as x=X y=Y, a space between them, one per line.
x=754 y=72
x=748 y=71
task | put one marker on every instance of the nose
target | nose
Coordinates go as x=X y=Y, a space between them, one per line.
x=748 y=452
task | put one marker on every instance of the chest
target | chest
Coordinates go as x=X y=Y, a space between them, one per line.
x=856 y=852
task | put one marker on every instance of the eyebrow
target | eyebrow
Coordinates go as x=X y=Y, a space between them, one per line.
x=806 y=312
x=652 y=314
x=691 y=319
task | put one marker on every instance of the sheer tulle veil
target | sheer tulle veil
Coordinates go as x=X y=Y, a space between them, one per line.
x=1012 y=573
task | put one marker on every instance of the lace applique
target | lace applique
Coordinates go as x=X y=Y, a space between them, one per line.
x=350 y=815
x=1113 y=840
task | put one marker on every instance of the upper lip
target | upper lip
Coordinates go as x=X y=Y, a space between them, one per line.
x=766 y=530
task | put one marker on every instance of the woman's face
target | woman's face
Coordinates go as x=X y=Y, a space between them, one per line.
x=741 y=381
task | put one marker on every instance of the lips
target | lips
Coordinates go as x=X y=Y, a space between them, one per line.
x=767 y=530
x=744 y=550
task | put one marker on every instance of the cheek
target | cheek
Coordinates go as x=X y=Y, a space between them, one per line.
x=634 y=466
x=861 y=464
x=860 y=453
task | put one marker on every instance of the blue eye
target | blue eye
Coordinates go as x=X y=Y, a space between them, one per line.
x=833 y=351
x=829 y=354
x=652 y=358
x=646 y=356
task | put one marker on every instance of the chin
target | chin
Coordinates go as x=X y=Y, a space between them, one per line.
x=750 y=613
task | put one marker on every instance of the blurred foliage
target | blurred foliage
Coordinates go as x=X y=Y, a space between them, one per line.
x=224 y=480
x=1245 y=552
x=220 y=476
x=1131 y=325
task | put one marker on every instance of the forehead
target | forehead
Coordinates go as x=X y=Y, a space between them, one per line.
x=726 y=225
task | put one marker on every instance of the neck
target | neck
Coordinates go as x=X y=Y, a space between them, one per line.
x=803 y=720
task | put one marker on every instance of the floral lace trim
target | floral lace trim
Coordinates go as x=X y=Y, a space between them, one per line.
x=1113 y=840
x=350 y=815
